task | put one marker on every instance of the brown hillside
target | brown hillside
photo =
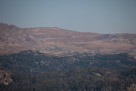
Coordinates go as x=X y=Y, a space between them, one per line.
x=56 y=40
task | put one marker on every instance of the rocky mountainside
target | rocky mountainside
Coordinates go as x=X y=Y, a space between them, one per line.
x=30 y=60
x=58 y=41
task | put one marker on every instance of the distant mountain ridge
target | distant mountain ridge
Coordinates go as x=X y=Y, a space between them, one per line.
x=58 y=41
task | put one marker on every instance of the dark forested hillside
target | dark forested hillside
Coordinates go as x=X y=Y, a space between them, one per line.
x=91 y=79
x=35 y=71
x=36 y=62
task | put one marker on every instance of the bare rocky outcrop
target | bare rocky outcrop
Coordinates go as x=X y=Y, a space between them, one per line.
x=5 y=78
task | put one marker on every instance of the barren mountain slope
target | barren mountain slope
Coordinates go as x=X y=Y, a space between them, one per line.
x=56 y=40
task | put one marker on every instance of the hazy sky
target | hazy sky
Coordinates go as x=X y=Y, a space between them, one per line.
x=101 y=16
